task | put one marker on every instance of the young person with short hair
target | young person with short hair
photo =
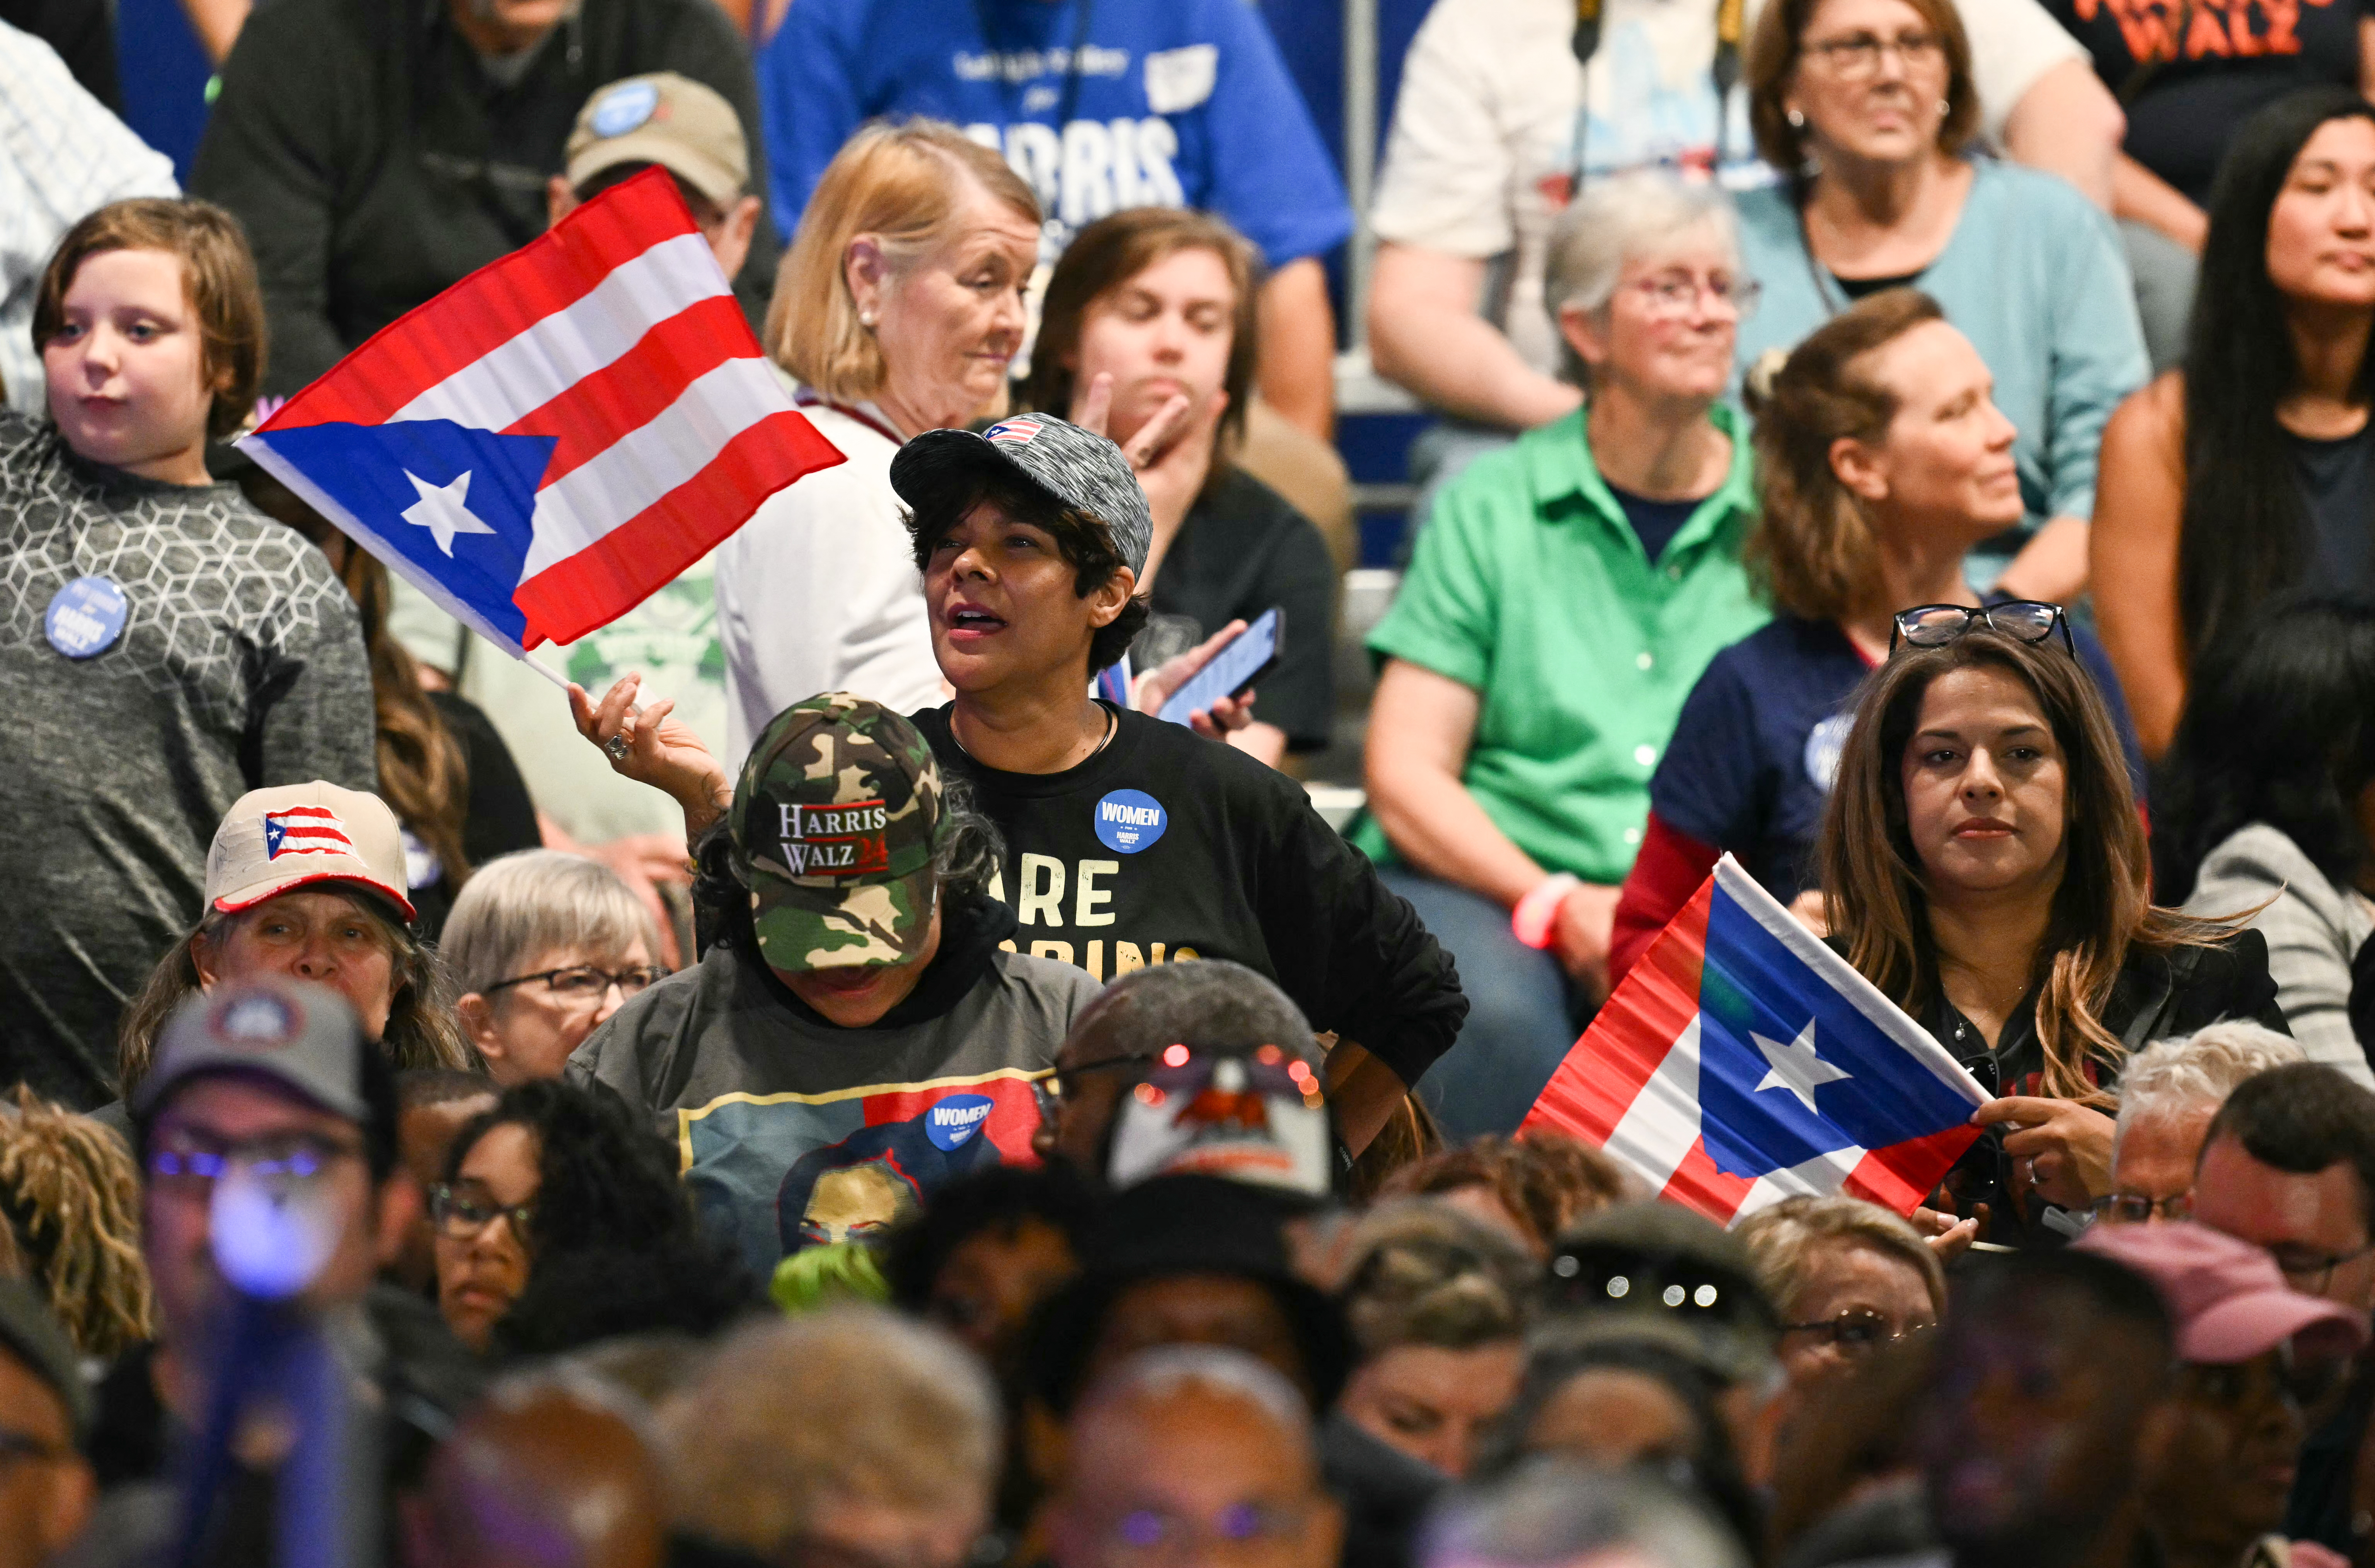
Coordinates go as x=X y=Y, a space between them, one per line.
x=165 y=649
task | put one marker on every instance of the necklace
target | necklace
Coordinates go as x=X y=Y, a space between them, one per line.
x=1113 y=727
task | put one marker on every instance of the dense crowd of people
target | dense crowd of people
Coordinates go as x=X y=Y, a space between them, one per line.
x=863 y=1080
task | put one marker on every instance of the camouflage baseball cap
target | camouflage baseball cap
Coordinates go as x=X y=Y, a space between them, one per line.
x=835 y=822
x=1077 y=468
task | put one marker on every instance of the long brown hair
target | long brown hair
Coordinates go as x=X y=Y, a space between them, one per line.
x=1813 y=548
x=1111 y=252
x=421 y=1030
x=1876 y=886
x=423 y=775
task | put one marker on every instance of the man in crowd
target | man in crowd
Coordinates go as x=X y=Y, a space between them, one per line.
x=1099 y=104
x=267 y=1080
x=2052 y=1386
x=46 y=1488
x=2289 y=1166
x=545 y=1471
x=1494 y=111
x=63 y=155
x=377 y=154
x=1189 y=1448
x=2168 y=1092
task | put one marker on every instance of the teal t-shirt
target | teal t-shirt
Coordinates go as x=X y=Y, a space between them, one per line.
x=1529 y=587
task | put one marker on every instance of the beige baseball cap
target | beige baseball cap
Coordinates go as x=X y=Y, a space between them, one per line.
x=273 y=840
x=680 y=125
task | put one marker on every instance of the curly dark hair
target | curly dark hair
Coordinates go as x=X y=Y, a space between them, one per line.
x=602 y=1180
x=1081 y=538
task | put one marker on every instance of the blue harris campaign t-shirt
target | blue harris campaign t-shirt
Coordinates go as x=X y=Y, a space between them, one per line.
x=1099 y=104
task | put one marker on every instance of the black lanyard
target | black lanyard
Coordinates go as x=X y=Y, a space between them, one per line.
x=1071 y=96
x=1725 y=68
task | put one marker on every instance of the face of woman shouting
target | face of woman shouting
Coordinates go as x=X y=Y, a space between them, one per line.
x=949 y=318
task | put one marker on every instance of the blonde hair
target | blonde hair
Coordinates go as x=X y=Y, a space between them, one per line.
x=1786 y=1238
x=851 y=1403
x=902 y=187
x=72 y=1195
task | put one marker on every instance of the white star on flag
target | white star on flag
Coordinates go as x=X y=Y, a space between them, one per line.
x=443 y=510
x=1795 y=1067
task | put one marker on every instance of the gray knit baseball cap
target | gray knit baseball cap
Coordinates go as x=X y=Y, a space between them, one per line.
x=302 y=1035
x=1078 y=469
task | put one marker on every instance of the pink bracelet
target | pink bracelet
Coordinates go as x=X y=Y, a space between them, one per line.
x=1537 y=913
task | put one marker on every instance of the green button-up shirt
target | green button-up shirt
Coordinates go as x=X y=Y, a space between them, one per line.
x=1529 y=587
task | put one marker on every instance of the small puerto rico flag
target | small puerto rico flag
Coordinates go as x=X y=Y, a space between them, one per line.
x=549 y=442
x=305 y=829
x=1743 y=1062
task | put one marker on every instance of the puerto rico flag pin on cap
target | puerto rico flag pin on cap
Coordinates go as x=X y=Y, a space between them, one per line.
x=274 y=840
x=1016 y=431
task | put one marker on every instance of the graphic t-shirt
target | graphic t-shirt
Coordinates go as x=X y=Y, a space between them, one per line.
x=1098 y=104
x=794 y=1131
x=2233 y=56
x=164 y=648
x=1165 y=846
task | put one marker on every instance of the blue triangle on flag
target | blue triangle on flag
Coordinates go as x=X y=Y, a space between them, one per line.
x=425 y=485
x=1756 y=1002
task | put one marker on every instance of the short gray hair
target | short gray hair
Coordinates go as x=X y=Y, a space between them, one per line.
x=1551 y=1511
x=1618 y=218
x=519 y=905
x=1172 y=1368
x=794 y=1415
x=2200 y=1070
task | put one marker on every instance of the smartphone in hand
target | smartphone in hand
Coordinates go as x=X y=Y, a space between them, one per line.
x=1242 y=661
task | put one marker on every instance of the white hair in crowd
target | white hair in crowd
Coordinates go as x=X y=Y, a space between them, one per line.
x=1173 y=1369
x=2169 y=1078
x=1551 y=1512
x=1614 y=219
x=534 y=902
x=794 y=1418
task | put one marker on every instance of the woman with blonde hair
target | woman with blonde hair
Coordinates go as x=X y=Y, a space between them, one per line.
x=897 y=309
x=1883 y=459
x=1848 y=1277
x=72 y=1198
x=1983 y=865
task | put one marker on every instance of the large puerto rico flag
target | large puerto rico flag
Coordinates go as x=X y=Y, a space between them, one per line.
x=1743 y=1062
x=551 y=440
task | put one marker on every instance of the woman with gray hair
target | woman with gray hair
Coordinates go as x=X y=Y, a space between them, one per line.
x=544 y=946
x=1564 y=597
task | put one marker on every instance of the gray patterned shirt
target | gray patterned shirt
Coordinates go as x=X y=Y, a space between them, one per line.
x=239 y=663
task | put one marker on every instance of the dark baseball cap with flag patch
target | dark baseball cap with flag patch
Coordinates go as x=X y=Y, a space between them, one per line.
x=1080 y=469
x=835 y=822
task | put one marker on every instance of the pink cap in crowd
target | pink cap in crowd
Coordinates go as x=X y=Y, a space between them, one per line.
x=2227 y=1299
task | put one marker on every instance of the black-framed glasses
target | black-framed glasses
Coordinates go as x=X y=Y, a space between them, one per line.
x=2310 y=1273
x=2135 y=1208
x=1049 y=1092
x=1180 y=1068
x=2023 y=620
x=462 y=1214
x=1857 y=57
x=582 y=983
x=183 y=1157
x=1858 y=1331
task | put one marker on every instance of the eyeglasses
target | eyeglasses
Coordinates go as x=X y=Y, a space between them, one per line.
x=1159 y=1535
x=1670 y=297
x=2135 y=1208
x=1857 y=57
x=1585 y=1281
x=1858 y=1332
x=582 y=984
x=2310 y=1273
x=462 y=1215
x=185 y=1159
x=1178 y=1067
x=2023 y=620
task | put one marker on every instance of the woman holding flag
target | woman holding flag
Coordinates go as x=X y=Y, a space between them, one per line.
x=1984 y=866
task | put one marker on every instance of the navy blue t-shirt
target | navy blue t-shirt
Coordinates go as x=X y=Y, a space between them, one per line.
x=1758 y=744
x=1654 y=523
x=1169 y=104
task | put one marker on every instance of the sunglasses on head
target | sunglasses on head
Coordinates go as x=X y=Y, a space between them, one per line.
x=2023 y=620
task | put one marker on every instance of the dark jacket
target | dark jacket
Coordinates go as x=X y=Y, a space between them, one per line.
x=375 y=160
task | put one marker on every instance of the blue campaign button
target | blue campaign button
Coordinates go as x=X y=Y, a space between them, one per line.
x=1128 y=820
x=85 y=616
x=625 y=107
x=955 y=1121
